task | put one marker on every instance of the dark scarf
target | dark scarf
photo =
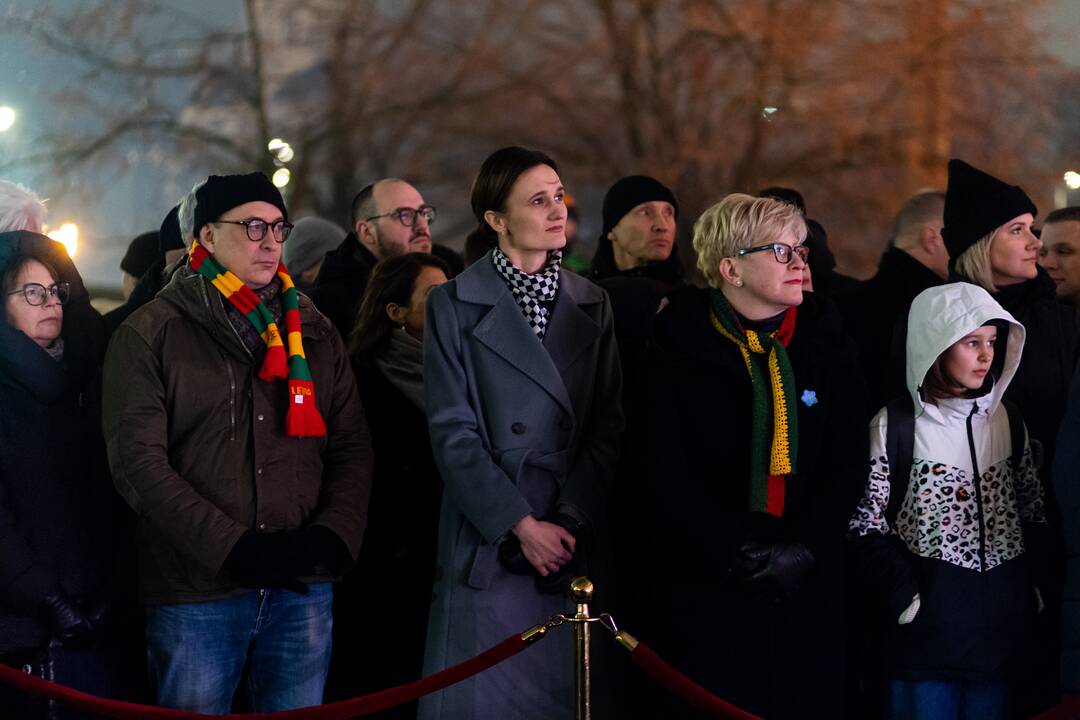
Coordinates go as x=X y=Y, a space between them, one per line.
x=402 y=362
x=532 y=292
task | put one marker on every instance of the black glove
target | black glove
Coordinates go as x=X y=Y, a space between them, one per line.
x=319 y=545
x=773 y=571
x=68 y=622
x=268 y=560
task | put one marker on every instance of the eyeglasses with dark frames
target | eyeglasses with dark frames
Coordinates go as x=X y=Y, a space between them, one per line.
x=782 y=252
x=407 y=216
x=37 y=294
x=257 y=228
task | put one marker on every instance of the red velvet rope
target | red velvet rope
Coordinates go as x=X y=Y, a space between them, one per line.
x=1068 y=709
x=684 y=687
x=355 y=707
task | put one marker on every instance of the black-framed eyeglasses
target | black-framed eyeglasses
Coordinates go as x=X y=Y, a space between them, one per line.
x=37 y=294
x=407 y=216
x=781 y=251
x=257 y=228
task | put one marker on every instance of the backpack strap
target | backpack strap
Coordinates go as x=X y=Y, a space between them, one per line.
x=1016 y=433
x=899 y=447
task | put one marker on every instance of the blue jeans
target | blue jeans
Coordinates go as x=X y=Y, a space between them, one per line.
x=934 y=700
x=198 y=651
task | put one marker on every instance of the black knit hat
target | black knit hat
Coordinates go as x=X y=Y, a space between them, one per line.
x=628 y=193
x=976 y=204
x=141 y=254
x=221 y=193
x=169 y=232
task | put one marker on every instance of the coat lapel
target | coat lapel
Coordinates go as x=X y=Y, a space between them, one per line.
x=571 y=330
x=504 y=331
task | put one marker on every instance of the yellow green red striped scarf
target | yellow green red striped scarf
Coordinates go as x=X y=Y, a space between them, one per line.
x=768 y=472
x=303 y=418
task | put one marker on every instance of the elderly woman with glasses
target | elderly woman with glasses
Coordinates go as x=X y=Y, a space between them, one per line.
x=56 y=505
x=752 y=445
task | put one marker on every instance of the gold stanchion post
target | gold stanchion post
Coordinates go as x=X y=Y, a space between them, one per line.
x=581 y=588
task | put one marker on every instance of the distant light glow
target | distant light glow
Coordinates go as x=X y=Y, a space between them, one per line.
x=68 y=236
x=1072 y=179
x=768 y=111
x=285 y=153
x=7 y=118
x=281 y=177
x=275 y=144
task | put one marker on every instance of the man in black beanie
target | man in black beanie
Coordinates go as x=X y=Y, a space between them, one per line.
x=638 y=235
x=235 y=432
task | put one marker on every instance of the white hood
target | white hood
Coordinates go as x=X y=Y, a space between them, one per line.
x=942 y=315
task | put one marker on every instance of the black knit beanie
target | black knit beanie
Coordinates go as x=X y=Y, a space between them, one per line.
x=628 y=193
x=141 y=254
x=976 y=204
x=221 y=193
x=169 y=232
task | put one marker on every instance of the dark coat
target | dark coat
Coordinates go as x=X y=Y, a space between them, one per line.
x=872 y=313
x=772 y=659
x=343 y=278
x=518 y=427
x=197 y=442
x=341 y=283
x=603 y=266
x=1067 y=489
x=396 y=564
x=58 y=515
x=1041 y=384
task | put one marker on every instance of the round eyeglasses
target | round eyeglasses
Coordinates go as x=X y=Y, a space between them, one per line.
x=37 y=294
x=407 y=216
x=781 y=251
x=257 y=229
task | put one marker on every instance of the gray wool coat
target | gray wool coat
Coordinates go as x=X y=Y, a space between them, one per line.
x=517 y=427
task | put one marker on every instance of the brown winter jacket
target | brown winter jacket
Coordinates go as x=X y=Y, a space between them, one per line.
x=197 y=441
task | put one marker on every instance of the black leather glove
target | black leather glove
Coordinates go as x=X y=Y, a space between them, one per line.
x=778 y=569
x=267 y=560
x=68 y=622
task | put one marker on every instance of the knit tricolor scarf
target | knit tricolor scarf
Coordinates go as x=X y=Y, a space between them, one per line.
x=303 y=418
x=770 y=462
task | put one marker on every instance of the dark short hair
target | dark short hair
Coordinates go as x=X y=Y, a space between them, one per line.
x=785 y=194
x=362 y=205
x=1065 y=214
x=496 y=178
x=11 y=274
x=391 y=281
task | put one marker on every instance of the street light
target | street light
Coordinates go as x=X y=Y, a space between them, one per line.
x=1072 y=179
x=7 y=117
x=281 y=177
x=68 y=236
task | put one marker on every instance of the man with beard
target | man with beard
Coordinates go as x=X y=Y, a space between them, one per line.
x=388 y=218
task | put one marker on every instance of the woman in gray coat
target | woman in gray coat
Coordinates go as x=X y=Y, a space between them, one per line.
x=522 y=388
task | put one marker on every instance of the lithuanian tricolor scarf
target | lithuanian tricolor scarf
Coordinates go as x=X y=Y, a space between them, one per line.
x=768 y=473
x=303 y=418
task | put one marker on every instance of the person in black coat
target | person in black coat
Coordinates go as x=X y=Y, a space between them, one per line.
x=59 y=517
x=916 y=260
x=382 y=604
x=744 y=492
x=988 y=234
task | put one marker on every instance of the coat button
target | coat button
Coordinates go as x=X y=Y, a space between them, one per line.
x=260 y=417
x=518 y=428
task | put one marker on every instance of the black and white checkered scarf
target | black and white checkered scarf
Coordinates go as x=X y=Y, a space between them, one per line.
x=531 y=291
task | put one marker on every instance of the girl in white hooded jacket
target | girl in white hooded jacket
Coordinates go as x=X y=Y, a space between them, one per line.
x=952 y=569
